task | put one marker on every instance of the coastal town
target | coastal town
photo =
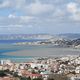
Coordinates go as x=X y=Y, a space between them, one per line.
x=44 y=68
x=39 y=39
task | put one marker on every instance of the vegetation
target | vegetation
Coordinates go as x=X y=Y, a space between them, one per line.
x=24 y=78
x=2 y=73
x=58 y=77
x=28 y=78
x=37 y=79
x=15 y=74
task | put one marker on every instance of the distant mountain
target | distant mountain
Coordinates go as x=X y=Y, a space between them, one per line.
x=71 y=36
x=76 y=42
x=63 y=40
x=24 y=36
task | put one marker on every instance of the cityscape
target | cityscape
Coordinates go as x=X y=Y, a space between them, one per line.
x=39 y=39
x=26 y=65
x=46 y=68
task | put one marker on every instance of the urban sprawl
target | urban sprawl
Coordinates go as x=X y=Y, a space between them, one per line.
x=46 y=68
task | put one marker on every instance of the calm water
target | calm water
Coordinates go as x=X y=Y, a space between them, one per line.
x=15 y=41
x=8 y=47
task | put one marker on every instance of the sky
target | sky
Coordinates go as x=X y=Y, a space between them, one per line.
x=39 y=16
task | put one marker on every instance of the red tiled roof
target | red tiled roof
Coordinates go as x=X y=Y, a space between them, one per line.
x=36 y=75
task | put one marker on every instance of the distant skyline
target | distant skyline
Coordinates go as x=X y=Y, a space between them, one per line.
x=39 y=16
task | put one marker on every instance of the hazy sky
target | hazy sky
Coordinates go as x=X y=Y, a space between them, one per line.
x=39 y=16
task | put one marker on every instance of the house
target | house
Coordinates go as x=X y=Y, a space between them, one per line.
x=75 y=78
x=1 y=67
x=29 y=74
x=45 y=75
x=77 y=70
x=6 y=78
x=32 y=76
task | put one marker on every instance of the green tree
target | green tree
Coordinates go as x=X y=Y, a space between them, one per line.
x=37 y=79
x=28 y=78
x=23 y=78
x=15 y=74
x=2 y=73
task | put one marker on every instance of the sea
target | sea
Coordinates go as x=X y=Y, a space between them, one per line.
x=6 y=46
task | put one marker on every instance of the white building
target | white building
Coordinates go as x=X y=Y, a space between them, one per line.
x=75 y=78
x=6 y=62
